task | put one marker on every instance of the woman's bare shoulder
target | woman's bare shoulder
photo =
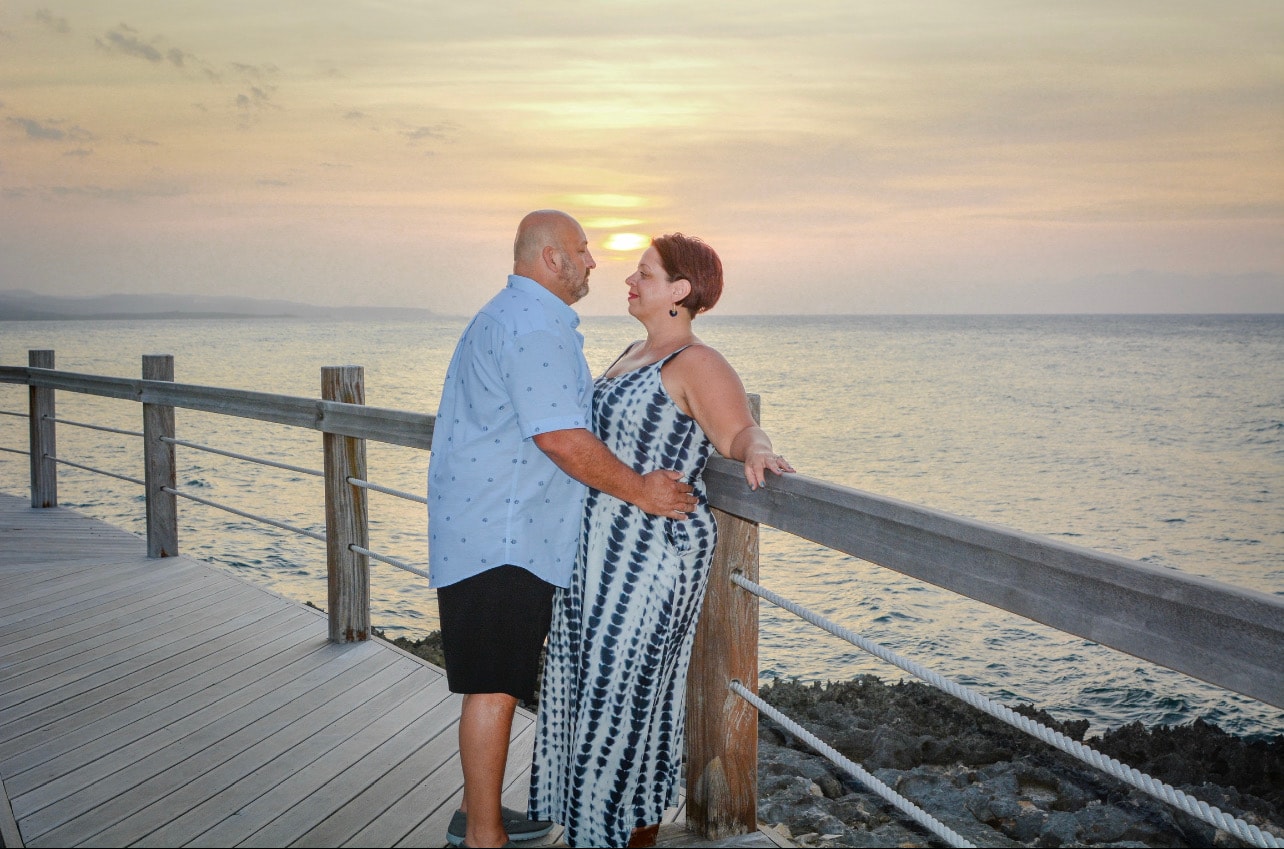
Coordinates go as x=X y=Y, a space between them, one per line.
x=701 y=366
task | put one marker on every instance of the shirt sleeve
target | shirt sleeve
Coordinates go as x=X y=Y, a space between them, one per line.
x=543 y=373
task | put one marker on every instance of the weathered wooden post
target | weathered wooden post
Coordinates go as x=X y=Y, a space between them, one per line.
x=722 y=728
x=158 y=463
x=43 y=442
x=345 y=514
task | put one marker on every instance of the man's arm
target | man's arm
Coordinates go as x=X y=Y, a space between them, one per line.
x=584 y=457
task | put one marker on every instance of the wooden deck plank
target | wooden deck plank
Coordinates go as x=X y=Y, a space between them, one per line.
x=205 y=658
x=58 y=689
x=304 y=797
x=73 y=615
x=284 y=733
x=437 y=757
x=344 y=788
x=322 y=753
x=127 y=712
x=86 y=807
x=52 y=642
x=192 y=613
x=33 y=602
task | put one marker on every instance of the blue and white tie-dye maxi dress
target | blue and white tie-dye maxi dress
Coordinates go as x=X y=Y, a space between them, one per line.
x=612 y=712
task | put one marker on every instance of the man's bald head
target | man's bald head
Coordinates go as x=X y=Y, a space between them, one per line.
x=551 y=249
x=541 y=229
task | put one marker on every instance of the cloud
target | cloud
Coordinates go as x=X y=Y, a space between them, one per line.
x=256 y=98
x=55 y=23
x=36 y=130
x=118 y=194
x=259 y=91
x=47 y=131
x=441 y=131
x=123 y=40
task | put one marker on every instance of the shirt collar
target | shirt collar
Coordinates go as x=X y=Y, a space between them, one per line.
x=545 y=297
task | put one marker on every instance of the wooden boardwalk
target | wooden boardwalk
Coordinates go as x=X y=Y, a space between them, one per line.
x=168 y=703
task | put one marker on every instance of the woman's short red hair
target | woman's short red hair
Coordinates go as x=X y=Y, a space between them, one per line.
x=688 y=258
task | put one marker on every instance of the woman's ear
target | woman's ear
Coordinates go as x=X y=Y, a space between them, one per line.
x=681 y=288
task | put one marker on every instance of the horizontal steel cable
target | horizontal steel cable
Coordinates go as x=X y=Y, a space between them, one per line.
x=11 y=413
x=409 y=496
x=97 y=471
x=245 y=457
x=273 y=522
x=1147 y=784
x=392 y=561
x=103 y=428
x=16 y=451
x=880 y=789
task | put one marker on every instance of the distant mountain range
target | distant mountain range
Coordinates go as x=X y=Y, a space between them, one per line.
x=23 y=305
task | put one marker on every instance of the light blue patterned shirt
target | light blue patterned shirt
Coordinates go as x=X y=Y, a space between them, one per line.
x=494 y=498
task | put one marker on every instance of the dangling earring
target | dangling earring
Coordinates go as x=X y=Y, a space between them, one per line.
x=673 y=310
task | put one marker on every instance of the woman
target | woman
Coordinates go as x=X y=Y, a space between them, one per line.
x=612 y=718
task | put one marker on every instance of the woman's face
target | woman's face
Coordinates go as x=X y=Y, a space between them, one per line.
x=650 y=292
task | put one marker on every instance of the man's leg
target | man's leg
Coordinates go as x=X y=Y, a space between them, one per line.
x=485 y=724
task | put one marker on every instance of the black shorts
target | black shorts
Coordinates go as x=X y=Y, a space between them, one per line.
x=493 y=628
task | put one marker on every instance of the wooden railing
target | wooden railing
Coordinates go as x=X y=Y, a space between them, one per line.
x=1227 y=636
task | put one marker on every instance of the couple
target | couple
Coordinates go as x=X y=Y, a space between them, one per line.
x=553 y=498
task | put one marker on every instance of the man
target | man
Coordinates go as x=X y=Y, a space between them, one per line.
x=511 y=457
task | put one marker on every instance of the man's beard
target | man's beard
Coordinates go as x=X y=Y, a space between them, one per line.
x=577 y=286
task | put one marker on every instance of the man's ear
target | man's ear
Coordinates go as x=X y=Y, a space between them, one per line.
x=552 y=258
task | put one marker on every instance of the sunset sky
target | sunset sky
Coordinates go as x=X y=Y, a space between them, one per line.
x=843 y=156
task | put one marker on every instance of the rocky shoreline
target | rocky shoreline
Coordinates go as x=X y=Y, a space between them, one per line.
x=990 y=783
x=993 y=784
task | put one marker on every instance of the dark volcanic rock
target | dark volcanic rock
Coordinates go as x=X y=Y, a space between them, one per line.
x=992 y=784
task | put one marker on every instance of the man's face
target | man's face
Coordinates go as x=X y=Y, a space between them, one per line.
x=577 y=262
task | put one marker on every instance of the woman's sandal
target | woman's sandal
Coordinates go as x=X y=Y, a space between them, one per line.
x=644 y=836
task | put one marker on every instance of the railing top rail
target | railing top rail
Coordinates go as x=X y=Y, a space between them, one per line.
x=397 y=427
x=1226 y=635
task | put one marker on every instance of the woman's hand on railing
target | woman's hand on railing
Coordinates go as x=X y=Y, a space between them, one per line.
x=759 y=461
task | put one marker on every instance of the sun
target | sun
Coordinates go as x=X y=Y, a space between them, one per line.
x=626 y=242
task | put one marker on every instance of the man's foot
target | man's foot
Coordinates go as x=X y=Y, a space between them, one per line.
x=516 y=823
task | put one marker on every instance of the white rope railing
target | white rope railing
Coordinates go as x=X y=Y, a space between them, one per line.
x=88 y=426
x=103 y=472
x=400 y=493
x=265 y=520
x=880 y=789
x=391 y=561
x=1147 y=784
x=246 y=457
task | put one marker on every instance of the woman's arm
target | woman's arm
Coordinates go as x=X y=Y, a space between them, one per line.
x=705 y=386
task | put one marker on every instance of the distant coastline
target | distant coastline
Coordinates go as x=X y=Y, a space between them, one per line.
x=23 y=305
x=133 y=316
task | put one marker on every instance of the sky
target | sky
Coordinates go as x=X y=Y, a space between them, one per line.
x=842 y=156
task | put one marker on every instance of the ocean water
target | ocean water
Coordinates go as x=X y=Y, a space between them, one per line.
x=1158 y=438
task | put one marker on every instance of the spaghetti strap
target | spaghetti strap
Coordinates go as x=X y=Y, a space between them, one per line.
x=627 y=348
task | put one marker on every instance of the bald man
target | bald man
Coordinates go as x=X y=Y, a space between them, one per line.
x=512 y=455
